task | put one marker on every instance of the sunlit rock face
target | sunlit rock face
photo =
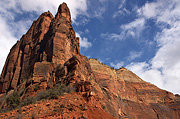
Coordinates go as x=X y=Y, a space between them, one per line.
x=49 y=42
x=48 y=54
x=124 y=95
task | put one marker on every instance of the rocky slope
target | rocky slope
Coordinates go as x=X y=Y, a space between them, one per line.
x=70 y=106
x=124 y=95
x=48 y=54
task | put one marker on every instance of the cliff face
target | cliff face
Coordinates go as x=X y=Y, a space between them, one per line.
x=48 y=54
x=124 y=95
x=49 y=44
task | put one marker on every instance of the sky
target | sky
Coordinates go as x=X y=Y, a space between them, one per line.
x=140 y=35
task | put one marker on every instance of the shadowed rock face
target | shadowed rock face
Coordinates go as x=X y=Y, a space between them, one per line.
x=49 y=54
x=50 y=42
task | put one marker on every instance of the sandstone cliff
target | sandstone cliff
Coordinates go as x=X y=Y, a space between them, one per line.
x=48 y=54
x=124 y=95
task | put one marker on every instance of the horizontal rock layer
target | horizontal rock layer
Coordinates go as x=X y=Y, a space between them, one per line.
x=124 y=95
x=48 y=54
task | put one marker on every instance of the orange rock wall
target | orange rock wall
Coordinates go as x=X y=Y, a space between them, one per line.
x=48 y=54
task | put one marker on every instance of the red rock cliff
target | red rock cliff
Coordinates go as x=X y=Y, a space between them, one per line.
x=125 y=95
x=49 y=45
x=49 y=54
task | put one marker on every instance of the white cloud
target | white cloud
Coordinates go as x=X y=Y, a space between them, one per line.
x=84 y=41
x=148 y=10
x=162 y=10
x=98 y=13
x=134 y=24
x=122 y=3
x=132 y=29
x=76 y=6
x=96 y=9
x=139 y=67
x=6 y=41
x=39 y=6
x=163 y=69
x=133 y=55
x=148 y=74
x=111 y=36
x=121 y=12
x=117 y=65
x=121 y=9
x=12 y=28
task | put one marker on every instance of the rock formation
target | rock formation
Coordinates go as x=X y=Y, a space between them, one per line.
x=49 y=44
x=48 y=54
x=124 y=95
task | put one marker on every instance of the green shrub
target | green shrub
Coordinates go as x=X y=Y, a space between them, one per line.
x=13 y=101
x=28 y=101
x=49 y=94
x=42 y=95
x=54 y=92
x=36 y=87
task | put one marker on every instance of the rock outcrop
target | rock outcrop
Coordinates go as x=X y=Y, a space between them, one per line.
x=48 y=45
x=124 y=95
x=48 y=54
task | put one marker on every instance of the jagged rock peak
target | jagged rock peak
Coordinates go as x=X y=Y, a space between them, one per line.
x=63 y=11
x=46 y=14
x=48 y=55
x=49 y=39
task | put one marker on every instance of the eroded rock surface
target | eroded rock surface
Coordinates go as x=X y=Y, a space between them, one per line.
x=49 y=42
x=48 y=54
x=124 y=95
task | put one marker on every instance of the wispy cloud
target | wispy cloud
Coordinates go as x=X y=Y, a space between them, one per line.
x=7 y=40
x=19 y=6
x=76 y=6
x=122 y=10
x=12 y=26
x=96 y=9
x=147 y=73
x=111 y=36
x=163 y=69
x=162 y=11
x=132 y=29
x=117 y=65
x=133 y=55
x=84 y=41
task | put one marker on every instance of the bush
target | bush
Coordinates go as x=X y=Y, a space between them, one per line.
x=13 y=101
x=42 y=95
x=36 y=87
x=49 y=94
x=28 y=101
x=54 y=92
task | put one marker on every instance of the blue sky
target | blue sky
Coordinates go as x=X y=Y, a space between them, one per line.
x=141 y=35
